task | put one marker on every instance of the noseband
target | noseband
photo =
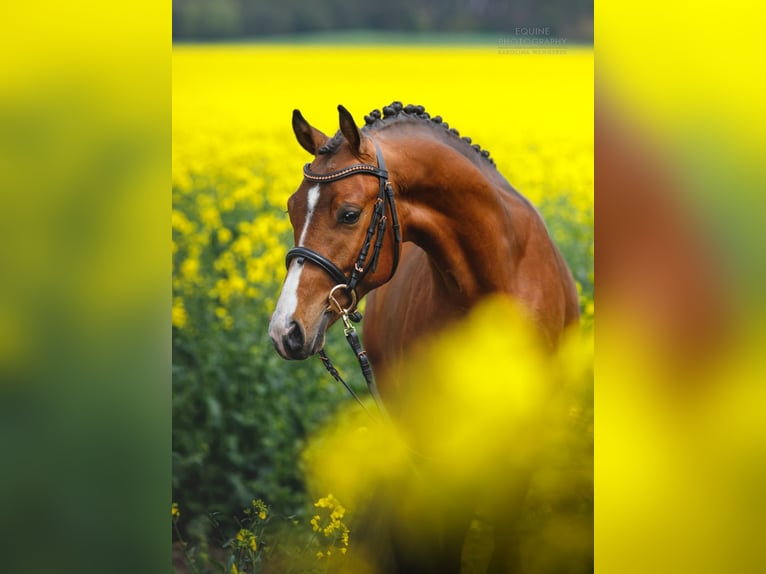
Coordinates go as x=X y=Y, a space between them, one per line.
x=376 y=230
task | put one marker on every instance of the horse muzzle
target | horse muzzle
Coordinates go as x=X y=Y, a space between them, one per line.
x=292 y=342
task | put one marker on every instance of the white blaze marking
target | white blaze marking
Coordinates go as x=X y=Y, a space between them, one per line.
x=288 y=299
x=313 y=197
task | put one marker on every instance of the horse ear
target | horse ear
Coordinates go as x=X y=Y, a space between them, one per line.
x=309 y=137
x=349 y=130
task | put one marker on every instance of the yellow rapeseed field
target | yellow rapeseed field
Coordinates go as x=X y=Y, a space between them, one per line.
x=235 y=157
x=242 y=417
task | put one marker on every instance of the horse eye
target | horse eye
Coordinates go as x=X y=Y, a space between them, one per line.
x=349 y=217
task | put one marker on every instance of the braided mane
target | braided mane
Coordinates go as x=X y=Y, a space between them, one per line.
x=396 y=111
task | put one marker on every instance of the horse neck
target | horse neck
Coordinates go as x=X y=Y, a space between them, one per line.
x=455 y=210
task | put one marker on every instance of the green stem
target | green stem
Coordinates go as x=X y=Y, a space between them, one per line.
x=185 y=545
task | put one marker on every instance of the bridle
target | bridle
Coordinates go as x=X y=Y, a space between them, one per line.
x=377 y=228
x=364 y=264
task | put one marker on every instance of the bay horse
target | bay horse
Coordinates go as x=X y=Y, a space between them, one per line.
x=407 y=211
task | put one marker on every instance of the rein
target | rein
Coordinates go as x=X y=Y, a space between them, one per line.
x=365 y=262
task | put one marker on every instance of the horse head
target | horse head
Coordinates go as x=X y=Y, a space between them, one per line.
x=339 y=220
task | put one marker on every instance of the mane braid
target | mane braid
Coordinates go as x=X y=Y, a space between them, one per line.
x=332 y=145
x=397 y=111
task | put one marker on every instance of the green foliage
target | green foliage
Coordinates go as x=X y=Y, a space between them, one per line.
x=241 y=414
x=241 y=417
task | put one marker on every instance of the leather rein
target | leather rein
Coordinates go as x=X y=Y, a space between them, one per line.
x=365 y=263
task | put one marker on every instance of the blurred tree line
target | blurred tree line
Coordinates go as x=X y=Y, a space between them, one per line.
x=221 y=19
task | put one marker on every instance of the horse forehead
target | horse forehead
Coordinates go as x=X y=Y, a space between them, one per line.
x=312 y=195
x=326 y=162
x=304 y=199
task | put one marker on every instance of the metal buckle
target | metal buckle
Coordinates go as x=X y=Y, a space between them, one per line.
x=344 y=311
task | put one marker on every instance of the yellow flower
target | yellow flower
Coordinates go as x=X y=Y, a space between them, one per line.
x=246 y=539
x=243 y=247
x=332 y=527
x=179 y=315
x=237 y=284
x=224 y=235
x=174 y=512
x=260 y=508
x=210 y=216
x=180 y=223
x=190 y=269
x=228 y=204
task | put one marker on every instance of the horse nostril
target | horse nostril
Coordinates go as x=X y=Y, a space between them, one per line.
x=294 y=339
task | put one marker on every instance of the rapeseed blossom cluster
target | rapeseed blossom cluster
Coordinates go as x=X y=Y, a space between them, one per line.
x=258 y=509
x=245 y=548
x=235 y=161
x=329 y=523
x=229 y=235
x=246 y=540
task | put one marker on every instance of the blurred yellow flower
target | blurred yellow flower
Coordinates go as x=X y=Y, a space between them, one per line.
x=190 y=269
x=246 y=539
x=224 y=235
x=260 y=507
x=179 y=315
